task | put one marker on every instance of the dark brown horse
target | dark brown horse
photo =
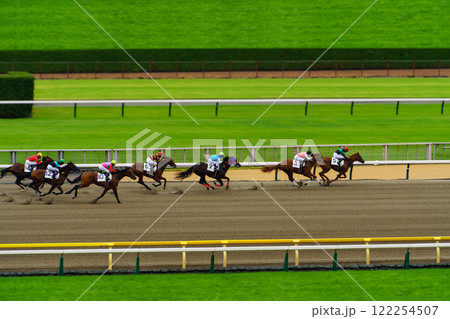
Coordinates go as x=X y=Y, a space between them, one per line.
x=18 y=170
x=286 y=166
x=138 y=170
x=348 y=162
x=201 y=169
x=88 y=178
x=38 y=177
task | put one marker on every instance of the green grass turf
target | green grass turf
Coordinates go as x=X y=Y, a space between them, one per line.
x=382 y=285
x=242 y=88
x=54 y=24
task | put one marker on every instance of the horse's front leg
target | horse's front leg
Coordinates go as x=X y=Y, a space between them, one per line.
x=60 y=190
x=228 y=181
x=52 y=188
x=220 y=182
x=103 y=194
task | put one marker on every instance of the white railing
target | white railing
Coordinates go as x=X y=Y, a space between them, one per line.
x=165 y=102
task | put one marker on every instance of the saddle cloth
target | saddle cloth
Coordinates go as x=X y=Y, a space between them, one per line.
x=211 y=167
x=335 y=161
x=28 y=168
x=296 y=164
x=148 y=168
x=102 y=177
x=49 y=174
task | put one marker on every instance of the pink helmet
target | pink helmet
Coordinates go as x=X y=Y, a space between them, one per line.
x=159 y=154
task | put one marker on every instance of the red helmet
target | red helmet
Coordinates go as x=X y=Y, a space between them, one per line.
x=159 y=154
x=346 y=149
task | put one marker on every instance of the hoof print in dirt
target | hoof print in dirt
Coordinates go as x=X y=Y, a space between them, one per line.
x=176 y=191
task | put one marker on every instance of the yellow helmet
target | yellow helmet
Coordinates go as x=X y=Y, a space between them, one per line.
x=39 y=154
x=113 y=162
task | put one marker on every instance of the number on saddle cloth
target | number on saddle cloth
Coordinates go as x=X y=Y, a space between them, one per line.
x=101 y=177
x=49 y=175
x=335 y=161
x=148 y=168
x=296 y=163
x=211 y=168
x=28 y=168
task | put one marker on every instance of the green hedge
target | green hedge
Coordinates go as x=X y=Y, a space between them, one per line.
x=163 y=60
x=16 y=86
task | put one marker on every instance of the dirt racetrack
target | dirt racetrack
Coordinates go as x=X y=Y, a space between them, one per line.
x=345 y=209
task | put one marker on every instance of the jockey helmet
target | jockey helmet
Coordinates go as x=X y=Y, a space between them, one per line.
x=39 y=154
x=346 y=149
x=62 y=161
x=113 y=162
x=221 y=154
x=309 y=153
x=159 y=154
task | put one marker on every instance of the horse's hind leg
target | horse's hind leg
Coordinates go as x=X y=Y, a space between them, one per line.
x=158 y=181
x=141 y=181
x=220 y=182
x=75 y=188
x=60 y=191
x=52 y=188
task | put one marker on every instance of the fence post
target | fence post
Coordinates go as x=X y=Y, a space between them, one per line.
x=438 y=252
x=13 y=157
x=286 y=261
x=396 y=109
x=351 y=172
x=68 y=68
x=367 y=252
x=442 y=107
x=61 y=265
x=406 y=262
x=123 y=68
x=385 y=152
x=351 y=108
x=183 y=256
x=429 y=148
x=75 y=110
x=407 y=171
x=138 y=268
x=123 y=109
x=170 y=108
x=306 y=108
x=217 y=108
x=211 y=266
x=335 y=260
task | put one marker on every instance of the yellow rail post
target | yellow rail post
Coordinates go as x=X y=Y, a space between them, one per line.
x=367 y=240
x=183 y=255
x=297 y=257
x=110 y=256
x=438 y=251
x=224 y=244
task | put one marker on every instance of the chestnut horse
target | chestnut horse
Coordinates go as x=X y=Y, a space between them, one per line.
x=38 y=177
x=88 y=178
x=138 y=170
x=18 y=170
x=348 y=162
x=201 y=169
x=286 y=166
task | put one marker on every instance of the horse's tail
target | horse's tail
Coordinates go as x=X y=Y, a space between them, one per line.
x=269 y=168
x=5 y=171
x=76 y=180
x=183 y=175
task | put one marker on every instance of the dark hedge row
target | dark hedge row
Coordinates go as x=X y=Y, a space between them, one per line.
x=164 y=60
x=16 y=86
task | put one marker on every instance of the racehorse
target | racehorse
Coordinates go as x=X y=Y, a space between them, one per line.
x=201 y=169
x=18 y=170
x=348 y=162
x=38 y=177
x=88 y=178
x=138 y=170
x=286 y=166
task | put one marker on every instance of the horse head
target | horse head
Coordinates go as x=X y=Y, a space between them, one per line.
x=231 y=161
x=357 y=157
x=130 y=173
x=167 y=161
x=71 y=167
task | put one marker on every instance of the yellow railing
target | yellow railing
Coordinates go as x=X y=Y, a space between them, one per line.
x=224 y=243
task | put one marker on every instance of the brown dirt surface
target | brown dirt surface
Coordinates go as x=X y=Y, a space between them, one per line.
x=344 y=209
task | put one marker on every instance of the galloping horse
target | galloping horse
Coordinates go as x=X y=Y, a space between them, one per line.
x=138 y=170
x=88 y=178
x=286 y=166
x=38 y=177
x=201 y=169
x=18 y=170
x=348 y=162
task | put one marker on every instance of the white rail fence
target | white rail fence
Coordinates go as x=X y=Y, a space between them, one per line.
x=224 y=250
x=381 y=153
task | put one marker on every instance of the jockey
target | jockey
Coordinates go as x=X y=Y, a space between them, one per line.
x=55 y=167
x=215 y=160
x=107 y=167
x=303 y=156
x=154 y=159
x=33 y=161
x=339 y=154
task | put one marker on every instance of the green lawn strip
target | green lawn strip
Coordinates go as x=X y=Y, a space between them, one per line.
x=242 y=88
x=217 y=24
x=382 y=285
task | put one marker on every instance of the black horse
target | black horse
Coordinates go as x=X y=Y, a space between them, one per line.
x=201 y=169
